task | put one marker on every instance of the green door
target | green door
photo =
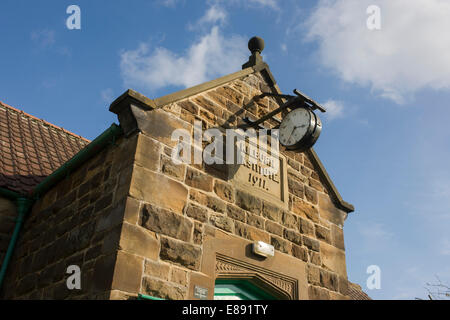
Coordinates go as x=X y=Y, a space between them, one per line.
x=239 y=290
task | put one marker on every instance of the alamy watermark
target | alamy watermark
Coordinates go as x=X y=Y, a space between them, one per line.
x=374 y=280
x=74 y=280
x=241 y=147
x=73 y=22
x=373 y=22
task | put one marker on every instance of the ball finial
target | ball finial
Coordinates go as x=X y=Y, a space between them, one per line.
x=256 y=44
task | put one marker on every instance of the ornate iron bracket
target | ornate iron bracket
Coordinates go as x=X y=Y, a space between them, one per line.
x=300 y=100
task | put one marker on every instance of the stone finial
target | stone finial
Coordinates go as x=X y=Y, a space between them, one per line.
x=256 y=44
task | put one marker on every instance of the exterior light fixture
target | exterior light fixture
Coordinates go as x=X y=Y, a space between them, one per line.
x=263 y=249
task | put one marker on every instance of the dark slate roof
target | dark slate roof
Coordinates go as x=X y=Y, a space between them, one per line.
x=31 y=149
x=355 y=292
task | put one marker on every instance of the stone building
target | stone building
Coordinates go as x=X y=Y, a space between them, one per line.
x=140 y=225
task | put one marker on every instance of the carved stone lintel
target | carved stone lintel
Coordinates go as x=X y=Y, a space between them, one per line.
x=227 y=267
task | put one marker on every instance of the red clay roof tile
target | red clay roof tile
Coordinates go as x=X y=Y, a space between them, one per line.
x=31 y=149
x=355 y=292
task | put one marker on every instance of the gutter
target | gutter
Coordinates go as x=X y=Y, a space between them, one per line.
x=108 y=136
x=25 y=202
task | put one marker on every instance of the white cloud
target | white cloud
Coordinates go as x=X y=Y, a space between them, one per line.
x=445 y=247
x=335 y=109
x=107 y=95
x=273 y=4
x=211 y=56
x=169 y=3
x=44 y=38
x=266 y=3
x=409 y=53
x=374 y=231
x=214 y=14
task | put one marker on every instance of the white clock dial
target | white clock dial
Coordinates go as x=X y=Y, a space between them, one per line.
x=294 y=126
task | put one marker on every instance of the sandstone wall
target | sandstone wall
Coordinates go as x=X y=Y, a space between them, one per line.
x=8 y=216
x=173 y=207
x=77 y=222
x=137 y=223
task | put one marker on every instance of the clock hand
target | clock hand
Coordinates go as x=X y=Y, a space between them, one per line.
x=293 y=130
x=291 y=133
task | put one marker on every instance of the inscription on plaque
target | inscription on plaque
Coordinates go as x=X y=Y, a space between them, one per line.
x=261 y=174
x=200 y=293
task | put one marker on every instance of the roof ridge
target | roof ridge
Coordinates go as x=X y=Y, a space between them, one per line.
x=42 y=120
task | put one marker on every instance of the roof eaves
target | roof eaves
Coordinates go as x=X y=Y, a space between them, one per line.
x=43 y=121
x=179 y=95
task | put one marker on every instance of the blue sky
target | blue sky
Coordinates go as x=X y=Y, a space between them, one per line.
x=385 y=140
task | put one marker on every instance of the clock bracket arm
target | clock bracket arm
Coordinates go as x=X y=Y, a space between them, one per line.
x=298 y=101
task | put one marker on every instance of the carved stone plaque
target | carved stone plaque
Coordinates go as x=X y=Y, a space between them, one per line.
x=255 y=176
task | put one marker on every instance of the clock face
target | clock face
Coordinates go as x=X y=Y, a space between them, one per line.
x=295 y=126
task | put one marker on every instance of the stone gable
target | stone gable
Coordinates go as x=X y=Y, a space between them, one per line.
x=138 y=223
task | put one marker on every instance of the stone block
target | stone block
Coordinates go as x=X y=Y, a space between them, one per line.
x=289 y=220
x=147 y=153
x=337 y=237
x=198 y=180
x=178 y=276
x=236 y=213
x=189 y=106
x=323 y=234
x=272 y=212
x=329 y=211
x=318 y=293
x=305 y=210
x=197 y=236
x=248 y=202
x=139 y=241
x=300 y=252
x=162 y=289
x=311 y=244
x=169 y=168
x=224 y=191
x=273 y=227
x=328 y=280
x=313 y=275
x=182 y=253
x=211 y=202
x=132 y=207
x=255 y=221
x=160 y=125
x=311 y=195
x=196 y=212
x=315 y=184
x=306 y=227
x=315 y=258
x=127 y=272
x=333 y=259
x=104 y=272
x=157 y=269
x=222 y=222
x=293 y=236
x=281 y=245
x=251 y=233
x=166 y=222
x=157 y=189
x=295 y=187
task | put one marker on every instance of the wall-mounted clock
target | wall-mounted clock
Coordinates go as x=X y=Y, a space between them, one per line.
x=300 y=129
